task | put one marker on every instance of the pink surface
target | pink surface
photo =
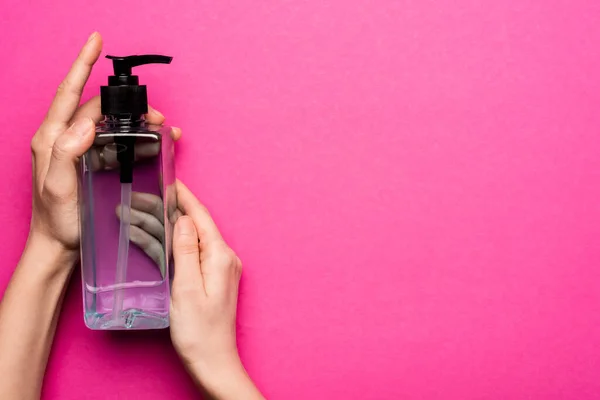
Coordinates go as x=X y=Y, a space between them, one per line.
x=412 y=186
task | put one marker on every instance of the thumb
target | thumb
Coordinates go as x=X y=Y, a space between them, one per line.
x=61 y=179
x=186 y=254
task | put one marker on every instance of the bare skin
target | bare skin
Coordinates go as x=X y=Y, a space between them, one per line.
x=205 y=286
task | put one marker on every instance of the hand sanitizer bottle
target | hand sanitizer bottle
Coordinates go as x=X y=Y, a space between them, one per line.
x=126 y=209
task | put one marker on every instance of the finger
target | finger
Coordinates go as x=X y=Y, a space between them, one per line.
x=186 y=256
x=69 y=91
x=90 y=109
x=105 y=157
x=208 y=233
x=148 y=203
x=175 y=215
x=175 y=133
x=61 y=179
x=221 y=270
x=146 y=222
x=146 y=150
x=150 y=245
x=154 y=116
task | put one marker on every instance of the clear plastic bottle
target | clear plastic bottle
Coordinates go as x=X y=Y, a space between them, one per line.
x=127 y=205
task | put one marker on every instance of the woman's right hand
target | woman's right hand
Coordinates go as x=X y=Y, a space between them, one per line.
x=204 y=302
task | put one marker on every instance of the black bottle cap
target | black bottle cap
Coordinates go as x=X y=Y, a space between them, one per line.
x=124 y=94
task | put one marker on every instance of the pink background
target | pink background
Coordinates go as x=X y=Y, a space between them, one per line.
x=412 y=186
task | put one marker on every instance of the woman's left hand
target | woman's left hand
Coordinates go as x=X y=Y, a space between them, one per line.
x=65 y=135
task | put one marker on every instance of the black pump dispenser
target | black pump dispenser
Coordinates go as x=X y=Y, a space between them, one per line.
x=124 y=95
x=125 y=99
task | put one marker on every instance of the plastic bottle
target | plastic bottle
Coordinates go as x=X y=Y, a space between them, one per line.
x=126 y=205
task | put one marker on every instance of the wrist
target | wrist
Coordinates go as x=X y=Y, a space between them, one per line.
x=47 y=255
x=224 y=378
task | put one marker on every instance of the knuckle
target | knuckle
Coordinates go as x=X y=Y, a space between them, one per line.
x=62 y=87
x=225 y=257
x=141 y=223
x=186 y=248
x=136 y=236
x=157 y=208
x=36 y=144
x=59 y=153
x=67 y=87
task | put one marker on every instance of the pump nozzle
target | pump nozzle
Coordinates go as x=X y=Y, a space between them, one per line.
x=123 y=65
x=124 y=95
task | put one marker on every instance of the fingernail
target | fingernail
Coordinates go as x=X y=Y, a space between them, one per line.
x=92 y=36
x=81 y=127
x=184 y=226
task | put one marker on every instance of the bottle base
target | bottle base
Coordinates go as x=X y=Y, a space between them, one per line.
x=131 y=319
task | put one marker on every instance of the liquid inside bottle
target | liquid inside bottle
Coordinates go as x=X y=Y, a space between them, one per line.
x=126 y=228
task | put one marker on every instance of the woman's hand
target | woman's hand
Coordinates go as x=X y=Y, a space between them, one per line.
x=204 y=303
x=31 y=304
x=147 y=229
x=66 y=134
